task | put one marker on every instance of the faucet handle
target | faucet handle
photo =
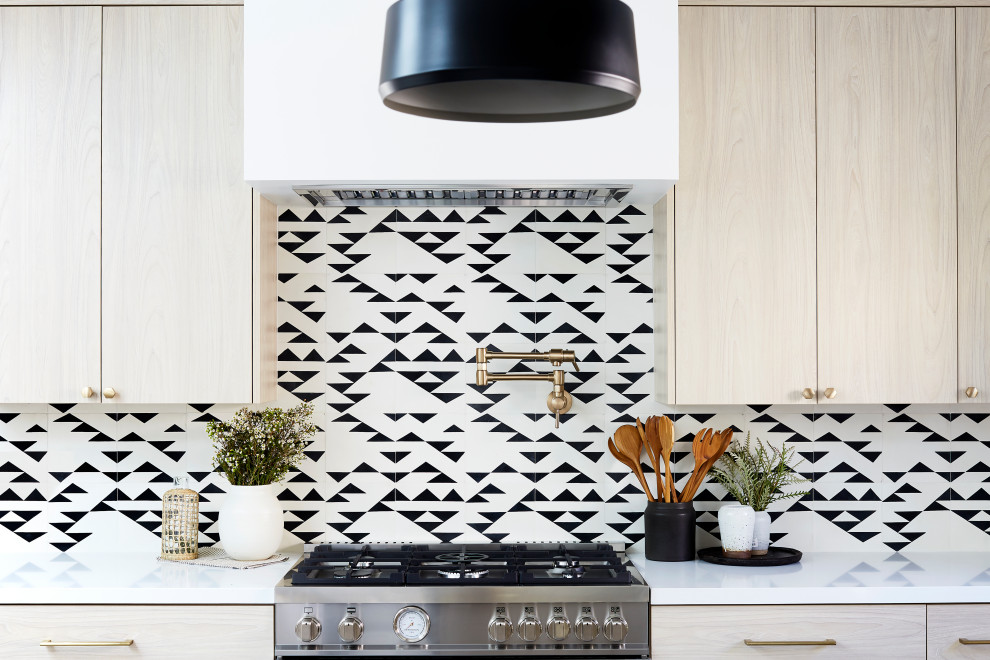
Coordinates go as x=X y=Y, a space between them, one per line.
x=558 y=356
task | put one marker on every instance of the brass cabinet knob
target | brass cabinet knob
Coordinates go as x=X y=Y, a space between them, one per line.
x=87 y=392
x=972 y=392
x=831 y=393
x=109 y=392
x=808 y=393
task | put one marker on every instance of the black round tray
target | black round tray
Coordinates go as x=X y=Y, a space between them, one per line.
x=776 y=556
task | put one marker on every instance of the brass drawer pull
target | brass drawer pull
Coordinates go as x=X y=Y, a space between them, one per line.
x=48 y=642
x=824 y=642
x=963 y=640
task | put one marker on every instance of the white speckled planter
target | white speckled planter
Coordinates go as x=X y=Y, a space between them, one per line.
x=735 y=524
x=761 y=533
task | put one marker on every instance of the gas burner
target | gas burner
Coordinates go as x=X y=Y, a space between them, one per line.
x=569 y=573
x=361 y=573
x=565 y=562
x=461 y=557
x=469 y=573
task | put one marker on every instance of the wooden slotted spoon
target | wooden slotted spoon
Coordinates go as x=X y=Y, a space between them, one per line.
x=629 y=444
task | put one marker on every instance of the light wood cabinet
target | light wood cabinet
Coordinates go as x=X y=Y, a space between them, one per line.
x=950 y=625
x=849 y=288
x=745 y=206
x=49 y=203
x=973 y=117
x=177 y=219
x=133 y=256
x=886 y=205
x=720 y=632
x=160 y=632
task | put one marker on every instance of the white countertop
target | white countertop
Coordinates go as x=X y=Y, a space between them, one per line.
x=822 y=577
x=134 y=578
x=825 y=577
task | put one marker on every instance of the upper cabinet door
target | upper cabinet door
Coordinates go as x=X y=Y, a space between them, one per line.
x=745 y=206
x=49 y=204
x=886 y=205
x=973 y=90
x=177 y=225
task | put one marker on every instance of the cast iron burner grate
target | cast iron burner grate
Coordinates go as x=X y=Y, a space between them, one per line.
x=449 y=564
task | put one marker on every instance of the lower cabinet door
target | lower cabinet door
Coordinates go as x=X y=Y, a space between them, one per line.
x=958 y=631
x=199 y=632
x=792 y=631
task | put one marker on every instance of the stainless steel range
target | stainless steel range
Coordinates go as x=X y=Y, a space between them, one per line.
x=505 y=600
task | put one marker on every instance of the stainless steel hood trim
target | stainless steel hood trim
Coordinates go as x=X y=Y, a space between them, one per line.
x=475 y=195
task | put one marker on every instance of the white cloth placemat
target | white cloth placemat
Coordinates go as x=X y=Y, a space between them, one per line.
x=217 y=558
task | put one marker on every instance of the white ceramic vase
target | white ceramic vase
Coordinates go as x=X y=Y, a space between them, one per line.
x=251 y=522
x=761 y=533
x=735 y=524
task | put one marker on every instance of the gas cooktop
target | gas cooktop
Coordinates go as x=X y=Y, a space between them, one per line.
x=560 y=600
x=448 y=565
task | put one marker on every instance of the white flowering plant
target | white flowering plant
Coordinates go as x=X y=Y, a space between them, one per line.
x=256 y=448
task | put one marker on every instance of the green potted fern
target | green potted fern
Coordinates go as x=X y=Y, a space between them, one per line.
x=757 y=476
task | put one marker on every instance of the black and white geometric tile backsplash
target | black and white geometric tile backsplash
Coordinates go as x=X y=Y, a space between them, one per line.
x=380 y=312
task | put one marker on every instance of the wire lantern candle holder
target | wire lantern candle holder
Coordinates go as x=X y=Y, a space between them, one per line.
x=180 y=522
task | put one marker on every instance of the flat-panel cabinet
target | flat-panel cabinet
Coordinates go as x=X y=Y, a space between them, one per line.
x=789 y=631
x=49 y=204
x=886 y=205
x=162 y=632
x=136 y=266
x=958 y=632
x=177 y=222
x=973 y=117
x=745 y=206
x=815 y=221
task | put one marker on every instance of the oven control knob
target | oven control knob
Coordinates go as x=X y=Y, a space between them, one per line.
x=530 y=629
x=350 y=629
x=558 y=628
x=586 y=629
x=308 y=628
x=500 y=630
x=616 y=629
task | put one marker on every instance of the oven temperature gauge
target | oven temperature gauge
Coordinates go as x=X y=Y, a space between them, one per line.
x=411 y=624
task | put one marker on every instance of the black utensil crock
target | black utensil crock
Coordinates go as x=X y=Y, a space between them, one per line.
x=669 y=531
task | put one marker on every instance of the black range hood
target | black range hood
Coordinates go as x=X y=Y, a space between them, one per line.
x=510 y=60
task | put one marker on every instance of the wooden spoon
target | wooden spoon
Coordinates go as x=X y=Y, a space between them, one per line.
x=629 y=464
x=666 y=446
x=629 y=444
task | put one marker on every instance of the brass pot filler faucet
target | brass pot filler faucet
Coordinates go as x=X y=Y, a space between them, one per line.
x=558 y=401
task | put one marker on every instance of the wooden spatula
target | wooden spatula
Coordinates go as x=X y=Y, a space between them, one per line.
x=629 y=444
x=650 y=451
x=653 y=446
x=666 y=428
x=703 y=450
